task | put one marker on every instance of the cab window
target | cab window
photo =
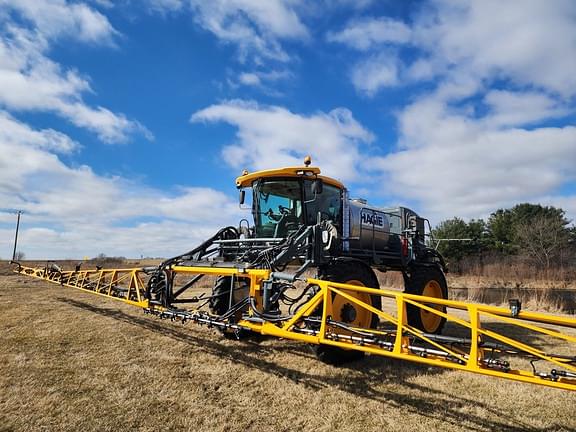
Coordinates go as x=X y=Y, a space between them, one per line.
x=277 y=207
x=328 y=203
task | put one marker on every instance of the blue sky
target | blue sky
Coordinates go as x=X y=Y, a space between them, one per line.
x=124 y=123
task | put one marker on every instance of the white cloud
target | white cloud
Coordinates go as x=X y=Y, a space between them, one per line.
x=266 y=82
x=107 y=4
x=275 y=17
x=57 y=18
x=158 y=239
x=376 y=72
x=257 y=29
x=14 y=132
x=30 y=81
x=255 y=26
x=456 y=164
x=76 y=212
x=566 y=203
x=499 y=74
x=527 y=43
x=110 y=127
x=370 y=32
x=521 y=108
x=354 y=4
x=31 y=148
x=166 y=5
x=249 y=79
x=270 y=136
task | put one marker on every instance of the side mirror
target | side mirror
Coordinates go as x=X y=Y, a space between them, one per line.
x=242 y=196
x=317 y=186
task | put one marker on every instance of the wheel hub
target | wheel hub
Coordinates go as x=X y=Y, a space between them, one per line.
x=348 y=313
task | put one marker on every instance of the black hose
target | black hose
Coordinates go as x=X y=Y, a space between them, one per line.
x=234 y=308
x=270 y=318
x=296 y=299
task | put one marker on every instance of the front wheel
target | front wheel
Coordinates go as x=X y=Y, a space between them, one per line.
x=222 y=300
x=429 y=282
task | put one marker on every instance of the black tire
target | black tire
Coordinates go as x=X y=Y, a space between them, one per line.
x=219 y=304
x=429 y=281
x=355 y=272
x=157 y=289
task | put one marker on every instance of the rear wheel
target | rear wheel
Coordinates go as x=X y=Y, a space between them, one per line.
x=429 y=282
x=345 y=311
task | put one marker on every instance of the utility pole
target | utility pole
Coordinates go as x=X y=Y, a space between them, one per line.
x=19 y=212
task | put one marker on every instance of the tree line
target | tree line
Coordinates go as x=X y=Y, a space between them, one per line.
x=540 y=236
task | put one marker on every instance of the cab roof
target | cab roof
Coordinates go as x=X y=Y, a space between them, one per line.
x=247 y=178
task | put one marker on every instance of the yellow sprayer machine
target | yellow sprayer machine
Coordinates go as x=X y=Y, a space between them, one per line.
x=254 y=279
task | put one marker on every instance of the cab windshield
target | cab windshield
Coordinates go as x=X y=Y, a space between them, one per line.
x=277 y=207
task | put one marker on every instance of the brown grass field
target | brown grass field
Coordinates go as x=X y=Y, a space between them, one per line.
x=77 y=362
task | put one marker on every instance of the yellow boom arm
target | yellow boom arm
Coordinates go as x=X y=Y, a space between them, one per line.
x=522 y=346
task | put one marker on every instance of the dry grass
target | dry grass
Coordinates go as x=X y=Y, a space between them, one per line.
x=512 y=271
x=532 y=299
x=73 y=361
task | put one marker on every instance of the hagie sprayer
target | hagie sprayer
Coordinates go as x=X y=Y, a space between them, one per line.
x=305 y=224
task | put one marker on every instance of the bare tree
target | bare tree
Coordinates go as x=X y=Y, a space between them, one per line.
x=544 y=239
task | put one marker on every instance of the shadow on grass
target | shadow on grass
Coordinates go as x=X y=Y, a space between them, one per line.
x=368 y=375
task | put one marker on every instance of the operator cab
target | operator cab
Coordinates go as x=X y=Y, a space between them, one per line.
x=287 y=198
